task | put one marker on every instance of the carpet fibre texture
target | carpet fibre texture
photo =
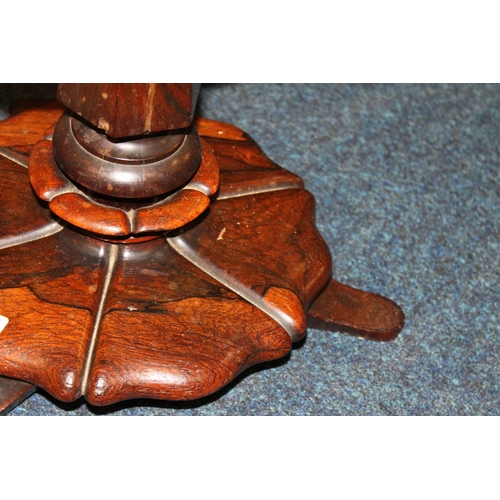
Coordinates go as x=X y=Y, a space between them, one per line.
x=407 y=185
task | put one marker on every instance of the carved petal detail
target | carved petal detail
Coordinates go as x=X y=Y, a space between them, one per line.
x=49 y=291
x=173 y=318
x=67 y=201
x=271 y=255
x=244 y=168
x=163 y=330
x=23 y=217
x=169 y=331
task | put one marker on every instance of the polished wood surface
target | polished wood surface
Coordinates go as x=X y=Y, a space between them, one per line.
x=179 y=316
x=13 y=392
x=24 y=218
x=126 y=141
x=142 y=167
x=21 y=131
x=50 y=295
x=102 y=217
x=244 y=168
x=355 y=312
x=266 y=247
x=169 y=330
x=132 y=109
x=114 y=322
x=106 y=321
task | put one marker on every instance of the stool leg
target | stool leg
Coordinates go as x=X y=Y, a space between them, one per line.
x=12 y=393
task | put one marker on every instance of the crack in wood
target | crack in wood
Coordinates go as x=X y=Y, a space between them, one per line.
x=149 y=107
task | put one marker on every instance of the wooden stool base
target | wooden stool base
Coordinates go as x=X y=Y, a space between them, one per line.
x=177 y=317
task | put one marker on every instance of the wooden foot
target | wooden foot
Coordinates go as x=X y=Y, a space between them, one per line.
x=355 y=312
x=176 y=315
x=12 y=393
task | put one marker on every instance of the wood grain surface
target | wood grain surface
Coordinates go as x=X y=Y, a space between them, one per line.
x=137 y=167
x=172 y=213
x=117 y=218
x=266 y=248
x=21 y=131
x=49 y=291
x=131 y=109
x=355 y=312
x=24 y=217
x=115 y=322
x=170 y=331
x=180 y=316
x=45 y=176
x=244 y=168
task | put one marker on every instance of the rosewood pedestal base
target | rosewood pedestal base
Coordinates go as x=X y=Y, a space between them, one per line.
x=176 y=317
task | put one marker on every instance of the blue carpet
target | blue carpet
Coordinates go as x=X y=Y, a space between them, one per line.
x=407 y=184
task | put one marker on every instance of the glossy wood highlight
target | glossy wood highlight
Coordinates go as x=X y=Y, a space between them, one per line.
x=24 y=218
x=114 y=218
x=169 y=331
x=179 y=316
x=266 y=248
x=28 y=127
x=132 y=109
x=244 y=168
x=49 y=292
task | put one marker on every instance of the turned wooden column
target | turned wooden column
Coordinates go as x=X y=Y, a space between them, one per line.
x=128 y=140
x=125 y=160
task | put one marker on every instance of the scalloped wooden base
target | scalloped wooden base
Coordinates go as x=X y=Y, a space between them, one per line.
x=177 y=317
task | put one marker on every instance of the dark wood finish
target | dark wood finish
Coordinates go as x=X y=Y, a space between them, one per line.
x=138 y=168
x=179 y=316
x=355 y=312
x=169 y=332
x=137 y=151
x=23 y=217
x=266 y=248
x=112 y=322
x=81 y=212
x=244 y=168
x=102 y=145
x=73 y=205
x=50 y=294
x=84 y=314
x=219 y=130
x=124 y=110
x=46 y=178
x=174 y=212
x=206 y=179
x=13 y=392
x=20 y=132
